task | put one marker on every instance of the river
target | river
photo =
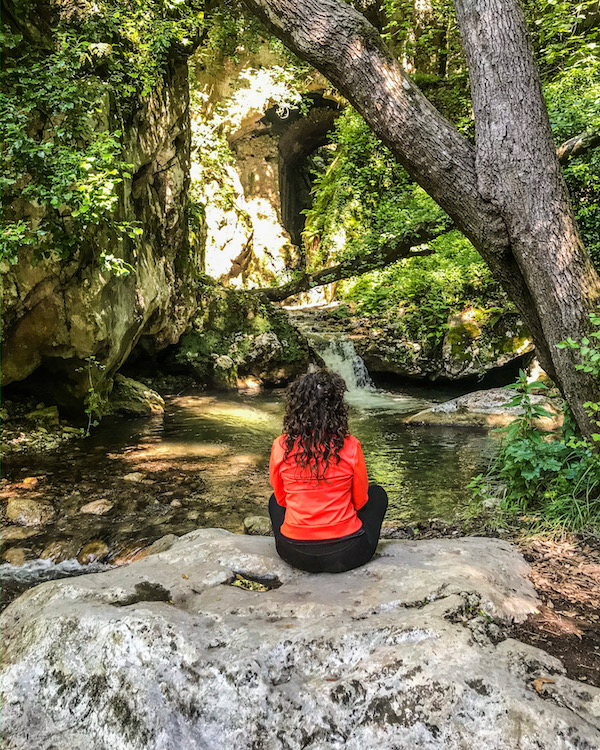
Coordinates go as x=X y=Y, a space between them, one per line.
x=205 y=463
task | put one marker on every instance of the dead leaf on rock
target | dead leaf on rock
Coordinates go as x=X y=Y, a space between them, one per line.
x=539 y=683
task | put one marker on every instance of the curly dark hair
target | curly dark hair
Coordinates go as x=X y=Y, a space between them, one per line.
x=316 y=420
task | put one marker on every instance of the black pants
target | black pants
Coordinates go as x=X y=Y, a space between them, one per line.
x=333 y=555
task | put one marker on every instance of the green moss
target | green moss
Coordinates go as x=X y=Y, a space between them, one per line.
x=230 y=323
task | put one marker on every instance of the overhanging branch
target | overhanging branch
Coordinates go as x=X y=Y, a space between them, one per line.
x=578 y=145
x=371 y=261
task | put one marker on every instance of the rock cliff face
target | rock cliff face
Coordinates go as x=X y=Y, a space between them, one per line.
x=174 y=651
x=58 y=313
x=253 y=205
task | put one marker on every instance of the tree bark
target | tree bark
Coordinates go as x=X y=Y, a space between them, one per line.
x=518 y=172
x=524 y=230
x=577 y=146
x=371 y=261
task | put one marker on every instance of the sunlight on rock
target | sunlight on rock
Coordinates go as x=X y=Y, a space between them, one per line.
x=181 y=449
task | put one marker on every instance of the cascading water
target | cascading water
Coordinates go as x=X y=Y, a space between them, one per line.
x=339 y=354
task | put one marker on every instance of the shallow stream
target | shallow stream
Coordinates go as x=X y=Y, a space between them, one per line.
x=205 y=463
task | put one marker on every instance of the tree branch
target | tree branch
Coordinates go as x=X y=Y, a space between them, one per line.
x=348 y=51
x=578 y=145
x=371 y=261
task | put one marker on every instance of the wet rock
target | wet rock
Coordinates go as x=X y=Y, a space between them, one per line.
x=134 y=476
x=134 y=398
x=224 y=372
x=48 y=415
x=17 y=532
x=94 y=551
x=395 y=654
x=97 y=507
x=59 y=551
x=28 y=512
x=258 y=526
x=17 y=555
x=487 y=409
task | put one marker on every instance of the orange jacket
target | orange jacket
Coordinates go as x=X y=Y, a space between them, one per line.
x=323 y=509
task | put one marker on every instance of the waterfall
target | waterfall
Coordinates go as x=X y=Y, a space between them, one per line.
x=338 y=353
x=340 y=356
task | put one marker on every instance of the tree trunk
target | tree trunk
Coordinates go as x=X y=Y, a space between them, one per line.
x=507 y=197
x=518 y=172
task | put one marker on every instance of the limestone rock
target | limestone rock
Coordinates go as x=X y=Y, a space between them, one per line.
x=475 y=342
x=487 y=409
x=28 y=512
x=17 y=556
x=17 y=532
x=59 y=314
x=131 y=397
x=46 y=415
x=134 y=476
x=236 y=335
x=59 y=551
x=97 y=507
x=391 y=655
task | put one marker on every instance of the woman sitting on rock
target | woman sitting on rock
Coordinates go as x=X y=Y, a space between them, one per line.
x=325 y=516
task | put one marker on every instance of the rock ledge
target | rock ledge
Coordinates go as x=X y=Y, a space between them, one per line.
x=401 y=653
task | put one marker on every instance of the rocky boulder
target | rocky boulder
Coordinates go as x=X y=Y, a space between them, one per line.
x=133 y=398
x=236 y=335
x=474 y=341
x=216 y=643
x=488 y=409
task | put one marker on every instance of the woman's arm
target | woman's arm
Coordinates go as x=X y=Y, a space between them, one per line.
x=274 y=475
x=360 y=481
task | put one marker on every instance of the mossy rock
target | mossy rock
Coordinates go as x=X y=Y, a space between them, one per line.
x=238 y=334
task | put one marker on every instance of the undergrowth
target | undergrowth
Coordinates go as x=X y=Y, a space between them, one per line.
x=551 y=482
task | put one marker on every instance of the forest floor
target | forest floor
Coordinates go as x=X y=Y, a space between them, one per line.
x=566 y=576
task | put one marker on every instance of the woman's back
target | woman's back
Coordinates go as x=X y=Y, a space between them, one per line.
x=325 y=516
x=325 y=507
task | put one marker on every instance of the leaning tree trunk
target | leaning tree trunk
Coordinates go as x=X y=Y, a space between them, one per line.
x=518 y=171
x=370 y=261
x=543 y=267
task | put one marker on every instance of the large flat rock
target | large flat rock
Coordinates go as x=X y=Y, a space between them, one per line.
x=401 y=653
x=488 y=409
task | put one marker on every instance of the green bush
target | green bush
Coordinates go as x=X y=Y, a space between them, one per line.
x=555 y=478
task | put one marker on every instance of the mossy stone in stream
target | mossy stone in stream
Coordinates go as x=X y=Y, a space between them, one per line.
x=17 y=556
x=94 y=551
x=27 y=512
x=237 y=334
